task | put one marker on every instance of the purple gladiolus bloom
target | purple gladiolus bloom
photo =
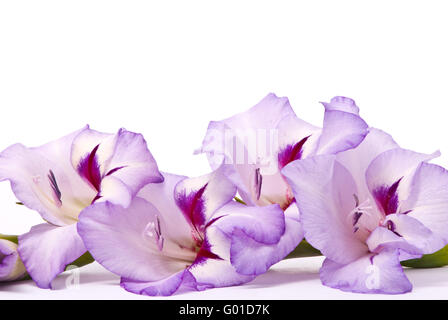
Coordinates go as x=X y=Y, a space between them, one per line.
x=11 y=267
x=369 y=208
x=176 y=236
x=61 y=178
x=253 y=147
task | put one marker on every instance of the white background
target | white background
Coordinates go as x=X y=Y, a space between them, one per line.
x=167 y=68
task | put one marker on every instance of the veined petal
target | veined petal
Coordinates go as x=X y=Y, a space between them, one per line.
x=124 y=156
x=428 y=199
x=389 y=175
x=89 y=142
x=248 y=142
x=401 y=231
x=11 y=267
x=293 y=131
x=43 y=179
x=46 y=250
x=265 y=115
x=131 y=242
x=132 y=162
x=371 y=273
x=200 y=197
x=251 y=257
x=357 y=160
x=324 y=191
x=216 y=273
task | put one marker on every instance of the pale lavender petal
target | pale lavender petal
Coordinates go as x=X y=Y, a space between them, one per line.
x=371 y=273
x=341 y=131
x=324 y=192
x=85 y=143
x=251 y=257
x=124 y=156
x=131 y=242
x=43 y=179
x=248 y=142
x=265 y=114
x=163 y=287
x=358 y=160
x=342 y=104
x=161 y=195
x=216 y=273
x=428 y=199
x=410 y=235
x=11 y=267
x=200 y=197
x=132 y=162
x=389 y=175
x=293 y=131
x=382 y=238
x=115 y=191
x=46 y=250
x=263 y=224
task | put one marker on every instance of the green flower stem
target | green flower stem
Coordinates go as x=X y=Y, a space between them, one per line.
x=304 y=249
x=83 y=260
x=239 y=200
x=435 y=260
x=11 y=238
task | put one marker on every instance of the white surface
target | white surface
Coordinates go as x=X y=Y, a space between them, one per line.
x=166 y=68
x=288 y=280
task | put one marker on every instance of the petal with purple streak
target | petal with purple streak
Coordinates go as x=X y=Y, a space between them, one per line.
x=89 y=168
x=291 y=153
x=200 y=197
x=359 y=159
x=389 y=175
x=43 y=179
x=214 y=273
x=124 y=156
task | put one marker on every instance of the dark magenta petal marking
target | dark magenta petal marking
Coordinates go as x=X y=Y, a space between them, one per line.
x=356 y=216
x=54 y=185
x=387 y=197
x=98 y=196
x=112 y=171
x=205 y=253
x=390 y=225
x=212 y=221
x=258 y=182
x=89 y=168
x=291 y=153
x=193 y=208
